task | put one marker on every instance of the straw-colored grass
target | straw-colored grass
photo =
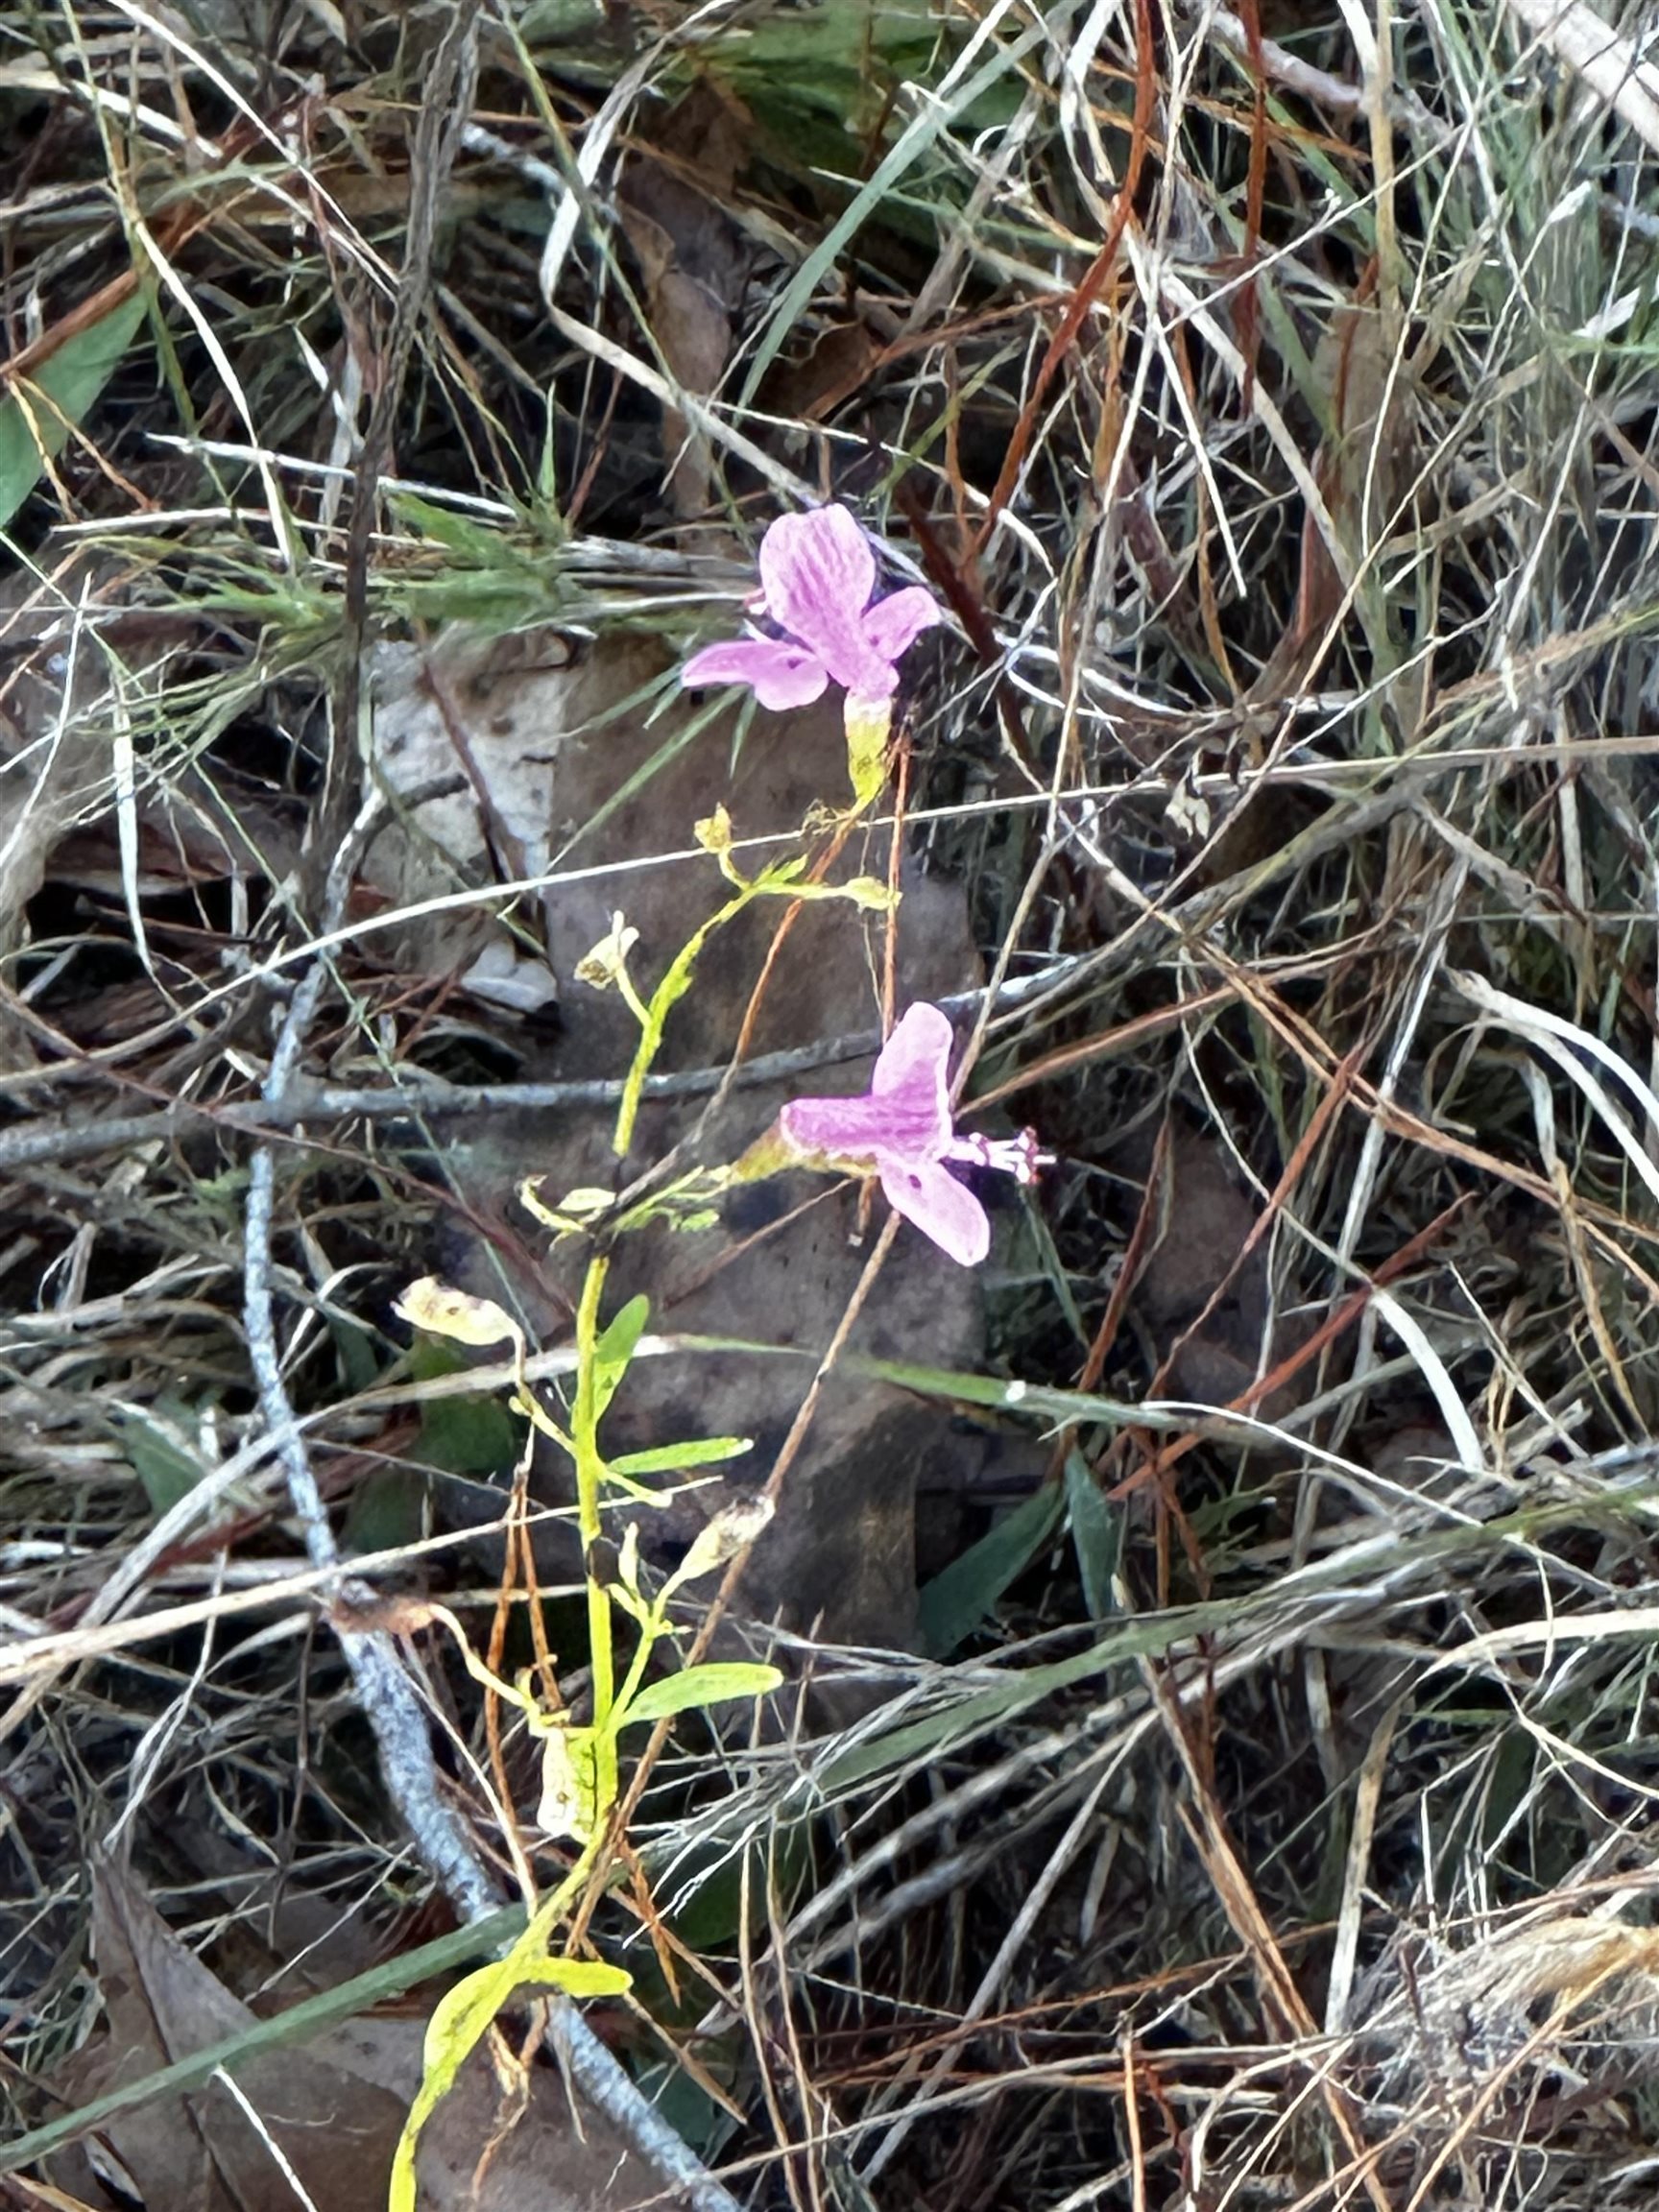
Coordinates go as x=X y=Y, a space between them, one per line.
x=1274 y=405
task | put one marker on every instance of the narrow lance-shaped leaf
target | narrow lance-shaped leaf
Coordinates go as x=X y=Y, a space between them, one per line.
x=699 y=1685
x=615 y=1349
x=664 y=1459
x=1096 y=1532
x=969 y=1591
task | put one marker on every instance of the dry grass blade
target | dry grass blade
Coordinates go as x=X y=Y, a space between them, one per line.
x=1272 y=402
x=1610 y=65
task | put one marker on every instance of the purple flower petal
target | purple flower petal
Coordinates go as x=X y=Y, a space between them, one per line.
x=903 y=1129
x=916 y=1056
x=844 y=1132
x=941 y=1207
x=893 y=625
x=909 y=1084
x=780 y=675
x=903 y=1121
x=818 y=571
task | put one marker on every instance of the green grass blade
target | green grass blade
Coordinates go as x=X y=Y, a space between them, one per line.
x=949 y=98
x=968 y=1591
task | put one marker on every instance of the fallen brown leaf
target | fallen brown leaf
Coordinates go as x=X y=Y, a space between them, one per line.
x=505 y=2138
x=207 y=2152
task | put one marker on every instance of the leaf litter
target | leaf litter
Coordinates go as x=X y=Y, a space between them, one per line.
x=1271 y=404
x=316 y=2124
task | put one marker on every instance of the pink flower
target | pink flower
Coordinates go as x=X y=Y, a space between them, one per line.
x=902 y=1131
x=817 y=575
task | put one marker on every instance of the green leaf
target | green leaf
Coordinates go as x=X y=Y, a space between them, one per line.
x=1096 y=1531
x=493 y=599
x=558 y=19
x=700 y=1686
x=718 y=1883
x=469 y=1436
x=683 y=2105
x=388 y=1510
x=664 y=1459
x=154 y=1439
x=475 y=1436
x=1030 y=1399
x=822 y=75
x=63 y=391
x=461 y=2020
x=970 y=1588
x=458 y=534
x=358 y=1353
x=931 y=117
x=547 y=466
x=614 y=1349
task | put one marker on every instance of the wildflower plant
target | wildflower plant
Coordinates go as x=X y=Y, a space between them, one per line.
x=818 y=575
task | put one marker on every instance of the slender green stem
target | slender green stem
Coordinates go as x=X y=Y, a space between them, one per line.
x=782 y=882
x=589 y=1477
x=667 y=994
x=649 y=1631
x=636 y=1005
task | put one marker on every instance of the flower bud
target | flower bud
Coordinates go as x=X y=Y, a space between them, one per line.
x=607 y=962
x=732 y=1529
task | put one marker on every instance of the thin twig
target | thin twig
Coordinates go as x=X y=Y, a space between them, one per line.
x=383 y=1688
x=300 y=1099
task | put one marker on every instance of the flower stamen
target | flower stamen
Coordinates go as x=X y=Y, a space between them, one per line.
x=1019 y=1155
